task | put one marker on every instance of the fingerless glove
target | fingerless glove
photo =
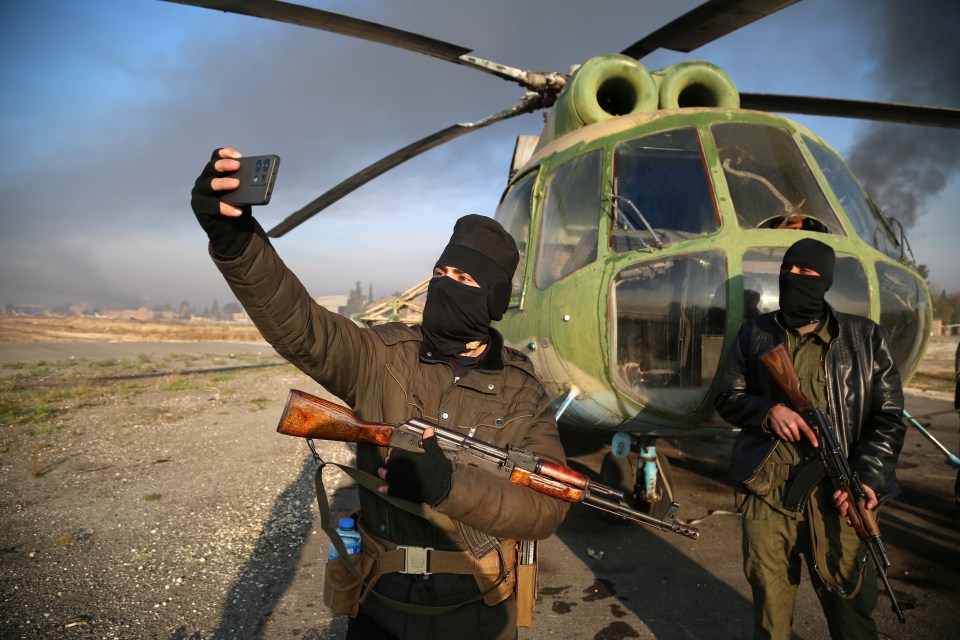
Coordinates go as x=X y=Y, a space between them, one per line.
x=228 y=236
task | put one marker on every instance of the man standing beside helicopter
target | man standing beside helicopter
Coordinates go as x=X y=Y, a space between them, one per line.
x=846 y=369
x=454 y=371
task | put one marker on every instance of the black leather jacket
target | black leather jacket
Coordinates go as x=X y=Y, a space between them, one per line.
x=863 y=388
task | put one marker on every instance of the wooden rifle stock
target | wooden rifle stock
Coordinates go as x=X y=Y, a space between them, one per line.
x=780 y=367
x=307 y=416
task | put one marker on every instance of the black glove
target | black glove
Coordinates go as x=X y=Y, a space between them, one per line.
x=419 y=477
x=228 y=236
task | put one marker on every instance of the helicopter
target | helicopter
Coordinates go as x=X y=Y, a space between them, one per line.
x=652 y=214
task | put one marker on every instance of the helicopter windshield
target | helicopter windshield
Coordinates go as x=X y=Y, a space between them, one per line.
x=866 y=219
x=661 y=191
x=514 y=214
x=571 y=209
x=770 y=183
x=670 y=318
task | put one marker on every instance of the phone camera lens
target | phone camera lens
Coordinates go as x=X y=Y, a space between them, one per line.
x=259 y=164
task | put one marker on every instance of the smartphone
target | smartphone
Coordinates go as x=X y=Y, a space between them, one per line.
x=257 y=175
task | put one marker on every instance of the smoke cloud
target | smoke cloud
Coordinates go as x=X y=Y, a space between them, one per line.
x=918 y=58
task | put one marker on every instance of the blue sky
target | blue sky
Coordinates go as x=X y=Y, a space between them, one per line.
x=110 y=109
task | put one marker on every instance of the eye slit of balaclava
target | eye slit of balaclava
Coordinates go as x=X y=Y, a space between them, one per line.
x=803 y=297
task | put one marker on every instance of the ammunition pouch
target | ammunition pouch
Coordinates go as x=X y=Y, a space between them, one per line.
x=526 y=588
x=345 y=590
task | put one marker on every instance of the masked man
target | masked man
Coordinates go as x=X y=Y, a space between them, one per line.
x=454 y=371
x=846 y=369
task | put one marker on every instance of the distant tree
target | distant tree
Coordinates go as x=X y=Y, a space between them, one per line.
x=924 y=272
x=954 y=299
x=943 y=309
x=184 y=312
x=355 y=301
x=215 y=310
x=62 y=310
x=231 y=308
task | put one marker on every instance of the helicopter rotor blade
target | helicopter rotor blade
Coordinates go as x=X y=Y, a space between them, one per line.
x=532 y=103
x=859 y=109
x=704 y=24
x=546 y=82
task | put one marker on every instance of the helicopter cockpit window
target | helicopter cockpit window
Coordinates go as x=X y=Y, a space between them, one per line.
x=670 y=319
x=571 y=212
x=514 y=214
x=661 y=192
x=761 y=283
x=866 y=219
x=903 y=313
x=769 y=181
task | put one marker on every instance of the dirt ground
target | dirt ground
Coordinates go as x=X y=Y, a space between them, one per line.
x=145 y=494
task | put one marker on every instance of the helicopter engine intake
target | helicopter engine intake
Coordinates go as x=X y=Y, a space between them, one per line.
x=696 y=84
x=604 y=87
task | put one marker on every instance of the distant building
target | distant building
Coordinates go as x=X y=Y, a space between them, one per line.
x=32 y=310
x=143 y=314
x=81 y=309
x=336 y=304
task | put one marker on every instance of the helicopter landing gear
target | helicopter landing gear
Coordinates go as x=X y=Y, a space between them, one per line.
x=634 y=467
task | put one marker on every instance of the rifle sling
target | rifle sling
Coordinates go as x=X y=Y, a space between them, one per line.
x=438 y=519
x=803 y=483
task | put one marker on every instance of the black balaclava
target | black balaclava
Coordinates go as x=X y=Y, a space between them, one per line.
x=802 y=297
x=456 y=314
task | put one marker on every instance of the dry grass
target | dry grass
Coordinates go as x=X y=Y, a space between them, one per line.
x=75 y=329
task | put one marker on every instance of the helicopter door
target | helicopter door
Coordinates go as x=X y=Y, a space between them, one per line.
x=566 y=287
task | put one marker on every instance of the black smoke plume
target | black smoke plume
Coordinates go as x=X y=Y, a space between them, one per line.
x=918 y=58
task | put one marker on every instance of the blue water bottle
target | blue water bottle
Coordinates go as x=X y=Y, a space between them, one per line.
x=347 y=530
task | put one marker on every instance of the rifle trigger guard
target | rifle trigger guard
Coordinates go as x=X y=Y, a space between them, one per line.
x=316 y=456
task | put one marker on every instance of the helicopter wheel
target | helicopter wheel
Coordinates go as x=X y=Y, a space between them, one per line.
x=664 y=486
x=621 y=474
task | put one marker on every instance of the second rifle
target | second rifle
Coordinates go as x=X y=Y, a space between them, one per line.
x=832 y=462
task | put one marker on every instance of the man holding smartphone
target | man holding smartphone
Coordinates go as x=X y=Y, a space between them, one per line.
x=453 y=370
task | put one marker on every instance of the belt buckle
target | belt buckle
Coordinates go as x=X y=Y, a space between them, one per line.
x=415 y=560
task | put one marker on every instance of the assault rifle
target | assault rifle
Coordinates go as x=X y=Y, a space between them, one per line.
x=831 y=462
x=307 y=416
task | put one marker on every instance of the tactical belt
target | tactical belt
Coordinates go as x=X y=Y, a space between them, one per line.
x=426 y=560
